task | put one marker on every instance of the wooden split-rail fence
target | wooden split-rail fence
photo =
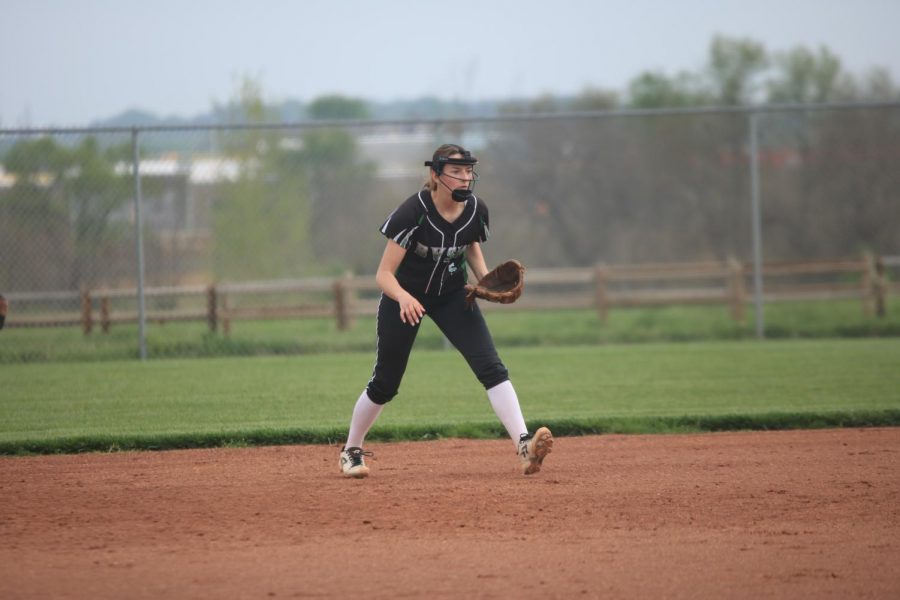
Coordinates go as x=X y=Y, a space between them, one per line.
x=602 y=288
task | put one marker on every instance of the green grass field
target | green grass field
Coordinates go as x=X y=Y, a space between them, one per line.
x=788 y=320
x=171 y=403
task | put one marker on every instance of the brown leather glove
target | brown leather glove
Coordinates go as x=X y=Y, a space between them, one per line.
x=504 y=284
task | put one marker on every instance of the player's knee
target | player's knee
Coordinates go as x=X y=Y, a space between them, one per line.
x=492 y=374
x=379 y=393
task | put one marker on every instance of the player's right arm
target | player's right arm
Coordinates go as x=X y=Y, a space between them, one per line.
x=411 y=310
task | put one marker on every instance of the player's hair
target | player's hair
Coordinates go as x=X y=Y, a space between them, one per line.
x=444 y=150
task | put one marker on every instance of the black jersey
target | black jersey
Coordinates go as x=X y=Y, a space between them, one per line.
x=435 y=261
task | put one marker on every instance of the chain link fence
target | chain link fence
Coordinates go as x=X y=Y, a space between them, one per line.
x=287 y=201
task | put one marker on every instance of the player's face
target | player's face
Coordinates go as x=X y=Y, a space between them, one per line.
x=458 y=176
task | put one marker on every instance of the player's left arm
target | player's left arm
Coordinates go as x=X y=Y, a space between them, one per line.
x=475 y=258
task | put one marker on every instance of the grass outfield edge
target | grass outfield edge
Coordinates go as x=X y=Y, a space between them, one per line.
x=561 y=428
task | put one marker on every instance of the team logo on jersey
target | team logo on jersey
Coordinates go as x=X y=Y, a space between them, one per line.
x=437 y=253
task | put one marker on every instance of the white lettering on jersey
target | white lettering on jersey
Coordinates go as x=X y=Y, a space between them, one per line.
x=438 y=253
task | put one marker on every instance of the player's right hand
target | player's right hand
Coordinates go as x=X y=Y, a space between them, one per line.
x=411 y=310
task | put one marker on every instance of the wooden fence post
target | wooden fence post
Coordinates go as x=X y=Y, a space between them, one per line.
x=351 y=297
x=212 y=312
x=881 y=289
x=601 y=275
x=865 y=283
x=737 y=291
x=87 y=319
x=104 y=314
x=340 y=304
x=874 y=286
x=225 y=318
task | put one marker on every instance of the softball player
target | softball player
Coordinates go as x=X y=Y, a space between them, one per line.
x=432 y=239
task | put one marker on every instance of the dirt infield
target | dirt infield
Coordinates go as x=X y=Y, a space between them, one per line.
x=738 y=515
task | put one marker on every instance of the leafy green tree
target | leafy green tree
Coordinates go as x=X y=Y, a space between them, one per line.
x=95 y=192
x=698 y=162
x=34 y=224
x=296 y=193
x=588 y=99
x=803 y=76
x=734 y=68
x=333 y=107
x=339 y=179
x=874 y=85
x=261 y=222
x=657 y=90
x=29 y=158
x=594 y=99
x=56 y=227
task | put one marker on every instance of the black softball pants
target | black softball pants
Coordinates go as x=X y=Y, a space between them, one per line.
x=464 y=327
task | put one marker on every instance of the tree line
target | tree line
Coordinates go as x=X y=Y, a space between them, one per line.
x=678 y=187
x=563 y=191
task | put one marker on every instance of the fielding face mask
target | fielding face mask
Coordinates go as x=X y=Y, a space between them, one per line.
x=437 y=164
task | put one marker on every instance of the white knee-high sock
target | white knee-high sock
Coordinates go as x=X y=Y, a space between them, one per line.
x=506 y=405
x=364 y=414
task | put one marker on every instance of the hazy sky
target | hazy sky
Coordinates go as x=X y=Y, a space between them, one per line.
x=67 y=62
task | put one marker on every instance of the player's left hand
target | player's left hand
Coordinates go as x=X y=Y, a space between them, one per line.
x=503 y=284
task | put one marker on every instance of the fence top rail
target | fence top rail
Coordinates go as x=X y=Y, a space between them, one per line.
x=662 y=270
x=358 y=123
x=360 y=282
x=846 y=266
x=709 y=264
x=534 y=275
x=42 y=296
x=310 y=284
x=564 y=275
x=172 y=290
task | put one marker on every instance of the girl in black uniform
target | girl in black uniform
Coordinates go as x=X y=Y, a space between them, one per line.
x=433 y=238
